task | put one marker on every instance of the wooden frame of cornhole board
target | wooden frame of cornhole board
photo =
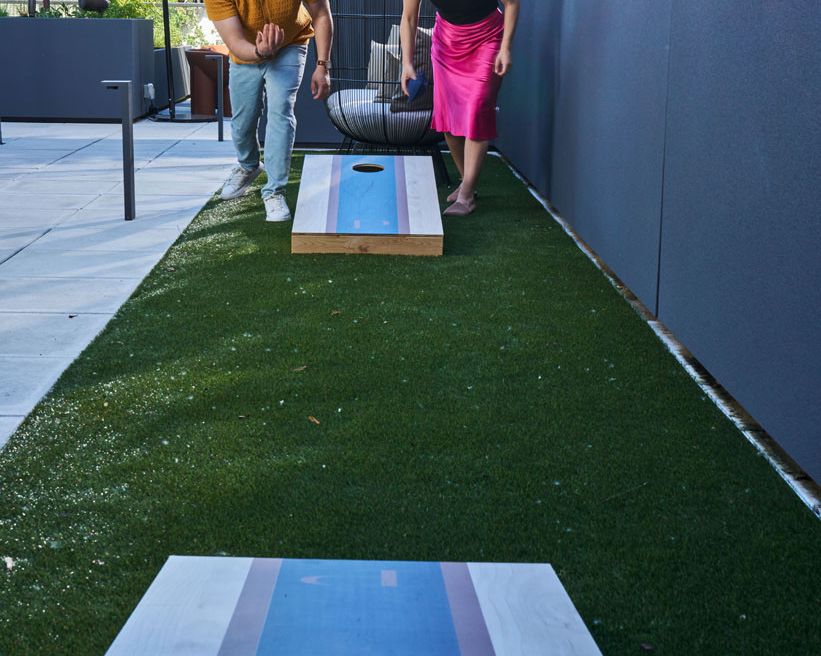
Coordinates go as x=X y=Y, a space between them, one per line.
x=381 y=205
x=210 y=606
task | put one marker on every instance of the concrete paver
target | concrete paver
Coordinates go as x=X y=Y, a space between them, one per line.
x=110 y=236
x=157 y=217
x=47 y=334
x=42 y=183
x=69 y=295
x=8 y=424
x=31 y=218
x=46 y=199
x=68 y=260
x=13 y=239
x=37 y=262
x=26 y=380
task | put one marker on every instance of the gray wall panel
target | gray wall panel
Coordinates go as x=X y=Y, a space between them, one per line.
x=526 y=102
x=609 y=132
x=741 y=252
x=313 y=124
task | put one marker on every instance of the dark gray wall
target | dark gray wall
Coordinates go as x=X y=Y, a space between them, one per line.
x=741 y=238
x=608 y=138
x=51 y=68
x=693 y=172
x=313 y=124
x=526 y=102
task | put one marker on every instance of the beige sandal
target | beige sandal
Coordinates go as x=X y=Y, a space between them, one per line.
x=460 y=209
x=454 y=196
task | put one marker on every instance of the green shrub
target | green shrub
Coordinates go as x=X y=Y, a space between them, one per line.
x=183 y=24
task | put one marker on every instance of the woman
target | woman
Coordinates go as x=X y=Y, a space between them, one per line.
x=471 y=55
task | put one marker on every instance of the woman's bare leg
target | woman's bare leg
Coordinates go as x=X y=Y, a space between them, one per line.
x=457 y=151
x=474 y=158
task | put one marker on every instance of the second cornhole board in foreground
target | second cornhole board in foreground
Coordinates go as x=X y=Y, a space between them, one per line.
x=381 y=205
x=212 y=606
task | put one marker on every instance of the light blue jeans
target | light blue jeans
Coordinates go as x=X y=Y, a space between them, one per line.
x=281 y=78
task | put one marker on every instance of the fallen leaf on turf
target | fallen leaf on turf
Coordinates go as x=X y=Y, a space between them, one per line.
x=170 y=269
x=302 y=368
x=242 y=417
x=336 y=313
x=647 y=647
x=313 y=420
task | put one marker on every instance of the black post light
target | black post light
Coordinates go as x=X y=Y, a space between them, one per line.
x=124 y=87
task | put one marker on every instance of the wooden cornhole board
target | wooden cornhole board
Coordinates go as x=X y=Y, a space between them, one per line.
x=207 y=606
x=389 y=208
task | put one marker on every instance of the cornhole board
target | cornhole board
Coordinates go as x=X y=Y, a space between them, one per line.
x=264 y=606
x=367 y=204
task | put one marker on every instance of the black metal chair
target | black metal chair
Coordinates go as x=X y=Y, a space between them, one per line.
x=367 y=105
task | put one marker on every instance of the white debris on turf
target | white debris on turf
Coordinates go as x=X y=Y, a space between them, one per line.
x=9 y=561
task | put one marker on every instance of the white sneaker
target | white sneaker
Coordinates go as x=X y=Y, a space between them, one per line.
x=276 y=209
x=239 y=182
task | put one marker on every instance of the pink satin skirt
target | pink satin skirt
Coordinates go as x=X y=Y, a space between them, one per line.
x=465 y=87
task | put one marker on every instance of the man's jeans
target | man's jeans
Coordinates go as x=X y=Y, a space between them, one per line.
x=281 y=78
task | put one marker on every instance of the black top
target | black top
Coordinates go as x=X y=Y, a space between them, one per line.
x=465 y=12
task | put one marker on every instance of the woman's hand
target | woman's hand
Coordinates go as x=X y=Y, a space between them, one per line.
x=321 y=83
x=503 y=62
x=408 y=73
x=270 y=40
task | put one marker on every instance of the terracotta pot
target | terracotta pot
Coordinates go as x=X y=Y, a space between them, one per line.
x=204 y=80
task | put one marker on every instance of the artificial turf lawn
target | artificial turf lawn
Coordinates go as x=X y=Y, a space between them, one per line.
x=500 y=403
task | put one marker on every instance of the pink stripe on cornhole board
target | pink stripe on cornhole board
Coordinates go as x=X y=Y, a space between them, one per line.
x=245 y=628
x=402 y=197
x=333 y=195
x=468 y=621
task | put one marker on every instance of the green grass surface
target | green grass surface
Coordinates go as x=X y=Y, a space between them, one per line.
x=501 y=403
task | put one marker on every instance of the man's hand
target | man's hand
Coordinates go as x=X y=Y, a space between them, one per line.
x=270 y=40
x=321 y=83
x=408 y=73
x=503 y=61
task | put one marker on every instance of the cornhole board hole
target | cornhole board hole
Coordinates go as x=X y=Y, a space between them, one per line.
x=266 y=606
x=367 y=204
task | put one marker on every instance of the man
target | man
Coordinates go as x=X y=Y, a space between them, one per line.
x=268 y=40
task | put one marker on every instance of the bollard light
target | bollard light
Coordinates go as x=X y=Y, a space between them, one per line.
x=127 y=117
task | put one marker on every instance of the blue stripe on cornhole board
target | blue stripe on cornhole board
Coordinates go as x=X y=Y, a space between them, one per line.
x=350 y=608
x=368 y=201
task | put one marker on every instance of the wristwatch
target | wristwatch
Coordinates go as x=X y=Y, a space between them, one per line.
x=323 y=62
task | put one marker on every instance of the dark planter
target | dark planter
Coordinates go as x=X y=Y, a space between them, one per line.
x=182 y=82
x=52 y=68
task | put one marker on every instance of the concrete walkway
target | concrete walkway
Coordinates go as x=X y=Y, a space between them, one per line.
x=68 y=260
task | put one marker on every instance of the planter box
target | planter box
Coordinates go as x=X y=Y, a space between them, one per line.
x=50 y=69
